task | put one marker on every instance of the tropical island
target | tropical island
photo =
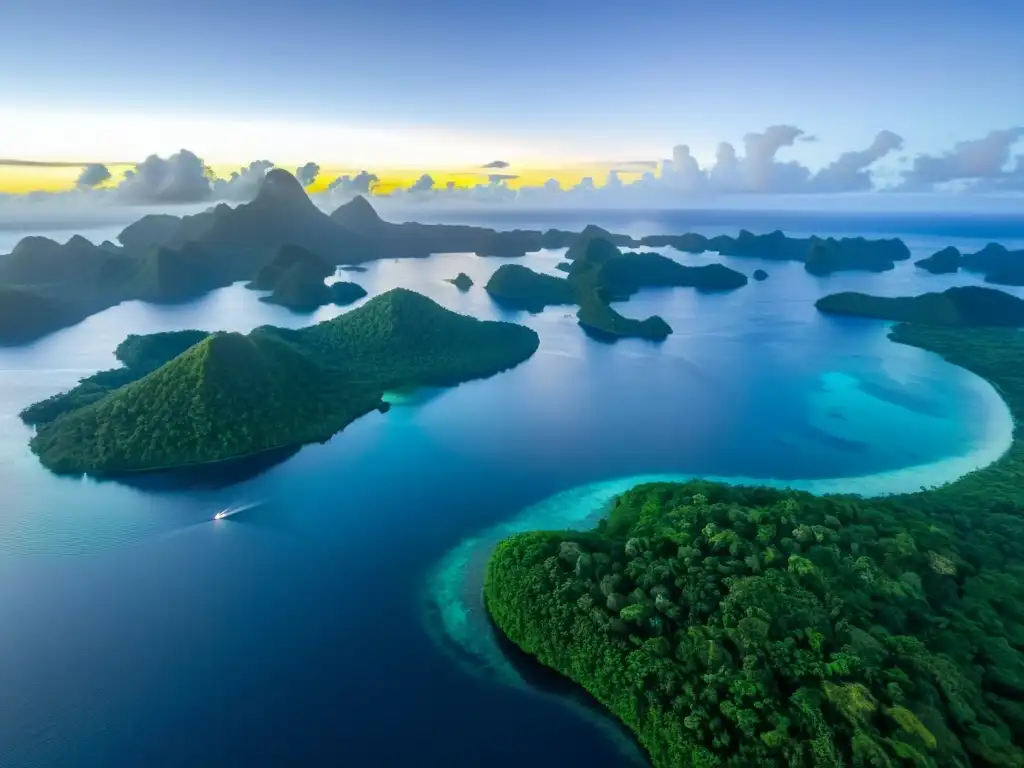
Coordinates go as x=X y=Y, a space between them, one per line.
x=296 y=278
x=727 y=625
x=230 y=395
x=821 y=256
x=963 y=306
x=998 y=264
x=598 y=274
x=462 y=281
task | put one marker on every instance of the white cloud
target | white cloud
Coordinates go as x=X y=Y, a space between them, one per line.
x=982 y=161
x=243 y=184
x=180 y=178
x=850 y=171
x=424 y=183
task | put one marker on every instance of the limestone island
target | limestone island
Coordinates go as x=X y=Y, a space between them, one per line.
x=964 y=306
x=997 y=263
x=760 y=275
x=462 y=281
x=296 y=277
x=26 y=316
x=821 y=256
x=600 y=274
x=232 y=395
x=751 y=626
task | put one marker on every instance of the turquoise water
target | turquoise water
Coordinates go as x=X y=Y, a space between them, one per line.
x=338 y=619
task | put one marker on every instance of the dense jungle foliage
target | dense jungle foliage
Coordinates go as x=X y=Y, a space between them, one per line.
x=231 y=395
x=962 y=306
x=139 y=354
x=752 y=626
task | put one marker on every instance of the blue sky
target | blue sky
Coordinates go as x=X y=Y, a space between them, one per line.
x=612 y=81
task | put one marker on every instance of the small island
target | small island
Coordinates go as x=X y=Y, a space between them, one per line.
x=343 y=293
x=462 y=281
x=760 y=275
x=729 y=625
x=600 y=321
x=514 y=286
x=964 y=306
x=941 y=262
x=232 y=395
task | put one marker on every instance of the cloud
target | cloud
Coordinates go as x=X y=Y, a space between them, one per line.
x=498 y=177
x=181 y=178
x=306 y=174
x=243 y=184
x=92 y=175
x=424 y=183
x=496 y=164
x=982 y=161
x=360 y=184
x=850 y=171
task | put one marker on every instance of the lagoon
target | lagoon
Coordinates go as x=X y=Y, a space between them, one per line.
x=334 y=622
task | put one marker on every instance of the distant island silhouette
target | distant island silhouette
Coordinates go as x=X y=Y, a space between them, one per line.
x=161 y=258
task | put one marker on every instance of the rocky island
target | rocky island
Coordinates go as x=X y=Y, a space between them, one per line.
x=728 y=625
x=599 y=274
x=232 y=395
x=462 y=281
x=964 y=306
x=821 y=256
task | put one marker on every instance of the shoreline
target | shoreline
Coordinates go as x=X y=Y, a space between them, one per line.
x=453 y=605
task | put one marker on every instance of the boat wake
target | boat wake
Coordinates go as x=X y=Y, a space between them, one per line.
x=229 y=511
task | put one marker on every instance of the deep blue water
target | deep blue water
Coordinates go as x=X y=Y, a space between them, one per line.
x=137 y=631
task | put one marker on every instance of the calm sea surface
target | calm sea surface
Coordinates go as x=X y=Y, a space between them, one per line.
x=337 y=621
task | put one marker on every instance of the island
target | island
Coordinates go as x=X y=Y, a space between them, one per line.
x=941 y=262
x=600 y=321
x=26 y=316
x=343 y=293
x=600 y=274
x=760 y=275
x=232 y=395
x=514 y=286
x=462 y=281
x=821 y=256
x=997 y=263
x=963 y=306
x=729 y=625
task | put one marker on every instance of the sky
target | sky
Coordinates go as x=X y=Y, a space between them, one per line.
x=551 y=90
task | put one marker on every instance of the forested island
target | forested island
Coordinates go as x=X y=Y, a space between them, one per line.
x=744 y=626
x=165 y=258
x=296 y=279
x=963 y=306
x=228 y=395
x=462 y=281
x=998 y=264
x=821 y=256
x=598 y=274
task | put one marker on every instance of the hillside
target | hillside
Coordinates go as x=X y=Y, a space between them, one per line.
x=290 y=257
x=139 y=354
x=227 y=396
x=26 y=316
x=517 y=287
x=965 y=306
x=231 y=395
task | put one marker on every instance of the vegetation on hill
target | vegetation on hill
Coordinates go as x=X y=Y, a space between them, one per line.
x=602 y=322
x=941 y=262
x=964 y=306
x=518 y=287
x=139 y=354
x=343 y=293
x=821 y=256
x=753 y=626
x=26 y=316
x=290 y=258
x=231 y=395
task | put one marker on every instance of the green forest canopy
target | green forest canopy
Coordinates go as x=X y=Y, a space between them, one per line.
x=752 y=626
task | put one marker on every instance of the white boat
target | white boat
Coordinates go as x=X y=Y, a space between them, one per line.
x=222 y=514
